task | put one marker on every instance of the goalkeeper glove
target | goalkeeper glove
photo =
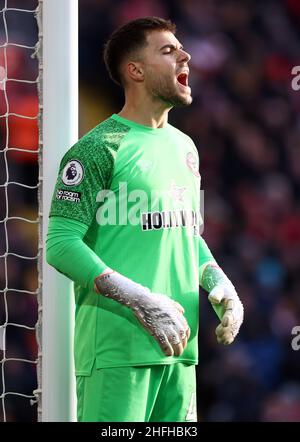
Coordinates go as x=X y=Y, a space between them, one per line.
x=225 y=302
x=157 y=313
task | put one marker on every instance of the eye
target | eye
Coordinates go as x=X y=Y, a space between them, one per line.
x=169 y=50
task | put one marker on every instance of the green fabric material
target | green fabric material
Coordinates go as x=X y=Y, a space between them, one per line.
x=67 y=252
x=205 y=256
x=158 y=248
x=95 y=152
x=163 y=393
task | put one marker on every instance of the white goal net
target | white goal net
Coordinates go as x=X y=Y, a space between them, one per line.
x=20 y=247
x=38 y=123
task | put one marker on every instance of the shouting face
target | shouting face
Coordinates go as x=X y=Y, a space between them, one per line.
x=165 y=69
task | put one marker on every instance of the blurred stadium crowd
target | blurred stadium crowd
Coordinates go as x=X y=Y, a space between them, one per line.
x=245 y=123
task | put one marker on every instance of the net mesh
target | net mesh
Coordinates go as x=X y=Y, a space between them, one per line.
x=20 y=183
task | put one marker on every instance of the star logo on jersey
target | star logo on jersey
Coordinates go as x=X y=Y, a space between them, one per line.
x=192 y=163
x=177 y=193
x=144 y=165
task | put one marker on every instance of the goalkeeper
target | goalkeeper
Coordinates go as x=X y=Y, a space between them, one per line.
x=124 y=226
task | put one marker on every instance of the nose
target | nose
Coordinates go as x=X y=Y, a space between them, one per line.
x=184 y=56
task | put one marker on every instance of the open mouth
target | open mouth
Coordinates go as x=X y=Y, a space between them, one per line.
x=183 y=79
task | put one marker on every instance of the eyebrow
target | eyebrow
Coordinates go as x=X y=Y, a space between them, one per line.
x=170 y=45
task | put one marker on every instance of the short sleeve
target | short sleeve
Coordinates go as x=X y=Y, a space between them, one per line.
x=84 y=171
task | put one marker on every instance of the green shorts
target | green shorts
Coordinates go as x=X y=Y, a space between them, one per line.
x=157 y=393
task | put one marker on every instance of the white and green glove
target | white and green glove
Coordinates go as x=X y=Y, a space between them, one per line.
x=157 y=313
x=225 y=302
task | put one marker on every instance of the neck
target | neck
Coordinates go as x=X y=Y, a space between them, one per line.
x=146 y=110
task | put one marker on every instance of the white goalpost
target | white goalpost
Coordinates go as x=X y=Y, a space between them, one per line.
x=58 y=90
x=55 y=83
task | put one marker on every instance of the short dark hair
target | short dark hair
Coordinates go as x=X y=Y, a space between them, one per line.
x=129 y=38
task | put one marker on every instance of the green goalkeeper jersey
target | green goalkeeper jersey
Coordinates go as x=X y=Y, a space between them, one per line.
x=137 y=190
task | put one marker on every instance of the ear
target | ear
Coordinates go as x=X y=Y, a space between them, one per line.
x=135 y=71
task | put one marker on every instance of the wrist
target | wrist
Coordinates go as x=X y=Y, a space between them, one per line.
x=112 y=284
x=213 y=277
x=102 y=275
